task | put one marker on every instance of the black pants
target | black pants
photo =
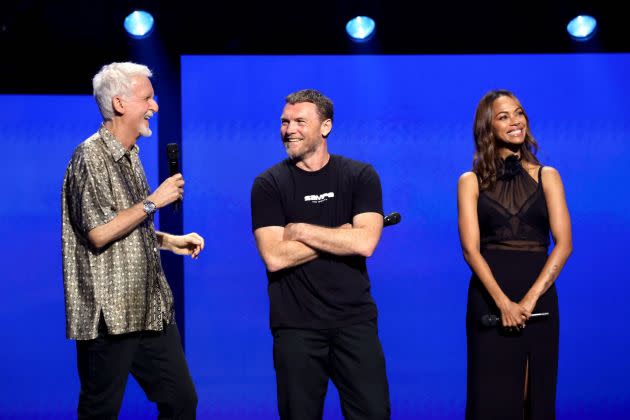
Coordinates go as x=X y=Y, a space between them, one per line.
x=155 y=359
x=352 y=357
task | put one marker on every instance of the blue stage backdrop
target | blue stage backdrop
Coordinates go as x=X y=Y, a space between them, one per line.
x=411 y=117
x=38 y=135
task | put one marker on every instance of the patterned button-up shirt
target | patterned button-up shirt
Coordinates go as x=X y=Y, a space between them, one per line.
x=123 y=280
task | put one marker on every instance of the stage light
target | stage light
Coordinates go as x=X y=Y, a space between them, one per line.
x=582 y=27
x=139 y=24
x=361 y=28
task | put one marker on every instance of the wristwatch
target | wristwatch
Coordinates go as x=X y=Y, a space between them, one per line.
x=149 y=207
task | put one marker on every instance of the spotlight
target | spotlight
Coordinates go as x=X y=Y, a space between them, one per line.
x=139 y=24
x=582 y=27
x=361 y=28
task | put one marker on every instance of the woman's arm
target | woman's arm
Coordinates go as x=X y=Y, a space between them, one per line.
x=512 y=314
x=560 y=224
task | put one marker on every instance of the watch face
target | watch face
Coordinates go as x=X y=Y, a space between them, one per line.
x=149 y=207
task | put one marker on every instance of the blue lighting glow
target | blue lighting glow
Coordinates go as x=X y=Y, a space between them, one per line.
x=582 y=27
x=139 y=24
x=361 y=28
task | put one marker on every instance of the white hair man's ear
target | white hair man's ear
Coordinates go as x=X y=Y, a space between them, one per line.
x=117 y=105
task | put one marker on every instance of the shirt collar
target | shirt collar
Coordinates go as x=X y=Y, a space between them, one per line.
x=113 y=145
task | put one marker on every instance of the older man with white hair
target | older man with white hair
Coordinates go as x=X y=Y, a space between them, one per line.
x=119 y=306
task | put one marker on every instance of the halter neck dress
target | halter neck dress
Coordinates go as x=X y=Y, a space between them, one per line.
x=514 y=237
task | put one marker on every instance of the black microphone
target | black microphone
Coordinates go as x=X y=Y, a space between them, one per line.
x=172 y=153
x=391 y=219
x=493 y=320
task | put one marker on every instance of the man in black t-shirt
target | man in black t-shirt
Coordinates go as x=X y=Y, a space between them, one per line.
x=316 y=217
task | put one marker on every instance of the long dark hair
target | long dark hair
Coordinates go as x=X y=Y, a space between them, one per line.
x=486 y=155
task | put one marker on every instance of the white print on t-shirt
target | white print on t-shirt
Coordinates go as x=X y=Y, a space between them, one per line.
x=319 y=198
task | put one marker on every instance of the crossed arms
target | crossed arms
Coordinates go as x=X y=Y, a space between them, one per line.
x=298 y=243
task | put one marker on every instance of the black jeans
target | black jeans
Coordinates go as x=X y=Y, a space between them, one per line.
x=352 y=357
x=155 y=359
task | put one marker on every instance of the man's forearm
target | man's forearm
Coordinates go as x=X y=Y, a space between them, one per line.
x=162 y=238
x=124 y=222
x=355 y=241
x=286 y=254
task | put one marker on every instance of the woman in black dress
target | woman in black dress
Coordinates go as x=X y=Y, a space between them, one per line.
x=507 y=205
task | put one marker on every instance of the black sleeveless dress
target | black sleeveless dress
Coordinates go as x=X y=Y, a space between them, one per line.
x=514 y=233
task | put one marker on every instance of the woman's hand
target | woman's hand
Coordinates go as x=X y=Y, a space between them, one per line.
x=513 y=315
x=529 y=303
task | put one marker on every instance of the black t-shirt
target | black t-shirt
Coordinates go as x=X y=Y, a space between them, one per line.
x=330 y=291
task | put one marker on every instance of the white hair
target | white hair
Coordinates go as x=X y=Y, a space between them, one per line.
x=115 y=79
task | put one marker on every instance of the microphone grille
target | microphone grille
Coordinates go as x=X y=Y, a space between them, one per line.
x=172 y=151
x=489 y=320
x=391 y=219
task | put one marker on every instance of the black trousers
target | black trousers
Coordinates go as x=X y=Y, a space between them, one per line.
x=352 y=357
x=155 y=359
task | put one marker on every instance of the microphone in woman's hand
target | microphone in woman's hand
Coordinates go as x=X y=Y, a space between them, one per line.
x=490 y=320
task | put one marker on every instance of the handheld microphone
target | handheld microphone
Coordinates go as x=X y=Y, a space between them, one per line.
x=391 y=219
x=491 y=320
x=172 y=153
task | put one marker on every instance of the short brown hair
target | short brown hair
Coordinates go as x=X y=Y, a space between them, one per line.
x=324 y=104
